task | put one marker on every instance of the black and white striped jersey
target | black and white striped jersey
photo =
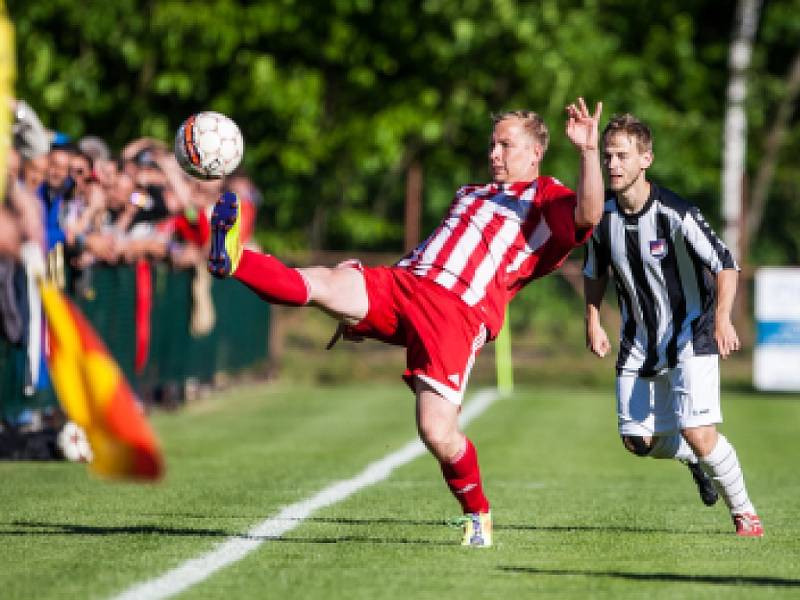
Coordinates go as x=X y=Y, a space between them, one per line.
x=663 y=260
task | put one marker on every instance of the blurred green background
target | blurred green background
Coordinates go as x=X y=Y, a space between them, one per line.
x=338 y=99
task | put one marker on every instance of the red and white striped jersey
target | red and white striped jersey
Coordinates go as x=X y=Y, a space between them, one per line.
x=496 y=238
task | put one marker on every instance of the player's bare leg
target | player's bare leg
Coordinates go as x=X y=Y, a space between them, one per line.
x=702 y=439
x=338 y=291
x=719 y=459
x=437 y=423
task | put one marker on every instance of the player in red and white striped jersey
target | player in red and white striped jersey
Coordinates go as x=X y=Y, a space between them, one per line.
x=496 y=238
x=448 y=297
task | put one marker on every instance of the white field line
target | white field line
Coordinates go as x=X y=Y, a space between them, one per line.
x=235 y=548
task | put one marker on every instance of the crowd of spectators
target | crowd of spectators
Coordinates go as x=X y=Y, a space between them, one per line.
x=72 y=204
x=101 y=207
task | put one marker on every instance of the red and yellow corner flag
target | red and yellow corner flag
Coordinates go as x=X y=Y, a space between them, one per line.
x=93 y=392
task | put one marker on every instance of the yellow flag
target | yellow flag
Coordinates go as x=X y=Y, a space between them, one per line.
x=7 y=75
x=93 y=392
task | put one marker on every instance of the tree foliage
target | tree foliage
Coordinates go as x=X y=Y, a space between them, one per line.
x=337 y=98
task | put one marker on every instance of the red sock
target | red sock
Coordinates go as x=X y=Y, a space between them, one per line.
x=463 y=477
x=272 y=280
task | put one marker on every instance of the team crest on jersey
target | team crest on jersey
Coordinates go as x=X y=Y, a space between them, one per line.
x=658 y=248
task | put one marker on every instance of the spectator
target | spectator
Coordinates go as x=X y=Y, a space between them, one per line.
x=30 y=137
x=80 y=169
x=190 y=227
x=25 y=209
x=119 y=210
x=97 y=209
x=33 y=171
x=53 y=192
x=85 y=200
x=14 y=164
x=83 y=213
x=9 y=233
x=105 y=172
x=94 y=147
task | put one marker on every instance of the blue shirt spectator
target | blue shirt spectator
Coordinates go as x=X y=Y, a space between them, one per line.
x=52 y=192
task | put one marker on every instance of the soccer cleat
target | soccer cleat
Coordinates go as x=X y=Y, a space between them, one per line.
x=705 y=485
x=477 y=530
x=226 y=250
x=748 y=525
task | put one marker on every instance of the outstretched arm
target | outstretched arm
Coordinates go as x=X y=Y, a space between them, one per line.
x=582 y=131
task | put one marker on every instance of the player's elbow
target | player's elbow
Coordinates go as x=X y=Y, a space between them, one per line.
x=588 y=217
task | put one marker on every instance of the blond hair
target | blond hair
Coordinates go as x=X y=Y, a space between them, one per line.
x=532 y=123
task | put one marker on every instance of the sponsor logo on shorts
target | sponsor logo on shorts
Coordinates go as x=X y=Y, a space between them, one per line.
x=705 y=411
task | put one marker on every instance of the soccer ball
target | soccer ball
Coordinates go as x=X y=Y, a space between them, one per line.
x=209 y=145
x=73 y=444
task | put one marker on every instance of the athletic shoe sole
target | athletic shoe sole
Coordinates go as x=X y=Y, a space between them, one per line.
x=223 y=218
x=705 y=486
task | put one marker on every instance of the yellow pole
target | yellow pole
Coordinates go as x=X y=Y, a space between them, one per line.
x=7 y=75
x=503 y=361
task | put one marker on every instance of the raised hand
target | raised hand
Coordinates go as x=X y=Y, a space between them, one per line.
x=582 y=126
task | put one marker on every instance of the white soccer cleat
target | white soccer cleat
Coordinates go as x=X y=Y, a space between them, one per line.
x=477 y=530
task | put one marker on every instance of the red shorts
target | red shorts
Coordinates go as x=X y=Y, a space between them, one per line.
x=441 y=333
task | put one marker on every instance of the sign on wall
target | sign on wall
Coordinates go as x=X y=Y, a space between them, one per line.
x=776 y=356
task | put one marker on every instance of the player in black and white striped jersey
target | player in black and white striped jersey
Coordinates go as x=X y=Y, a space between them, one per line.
x=675 y=282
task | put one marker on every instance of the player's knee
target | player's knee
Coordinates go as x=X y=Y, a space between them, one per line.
x=432 y=432
x=636 y=445
x=438 y=437
x=701 y=439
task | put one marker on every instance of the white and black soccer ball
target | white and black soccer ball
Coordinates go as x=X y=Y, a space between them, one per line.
x=209 y=145
x=73 y=443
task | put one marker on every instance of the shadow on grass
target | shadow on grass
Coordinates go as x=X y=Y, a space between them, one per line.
x=438 y=522
x=39 y=528
x=512 y=526
x=668 y=577
x=358 y=539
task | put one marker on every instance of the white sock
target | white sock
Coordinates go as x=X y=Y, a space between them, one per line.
x=723 y=466
x=673 y=446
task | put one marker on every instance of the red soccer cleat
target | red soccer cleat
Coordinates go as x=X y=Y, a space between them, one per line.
x=748 y=525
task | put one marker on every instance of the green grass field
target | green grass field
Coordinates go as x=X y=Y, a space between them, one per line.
x=575 y=515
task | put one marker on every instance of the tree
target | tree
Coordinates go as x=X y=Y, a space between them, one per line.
x=336 y=100
x=734 y=141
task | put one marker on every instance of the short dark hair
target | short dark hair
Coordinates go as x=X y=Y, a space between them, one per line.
x=630 y=125
x=532 y=122
x=85 y=157
x=68 y=147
